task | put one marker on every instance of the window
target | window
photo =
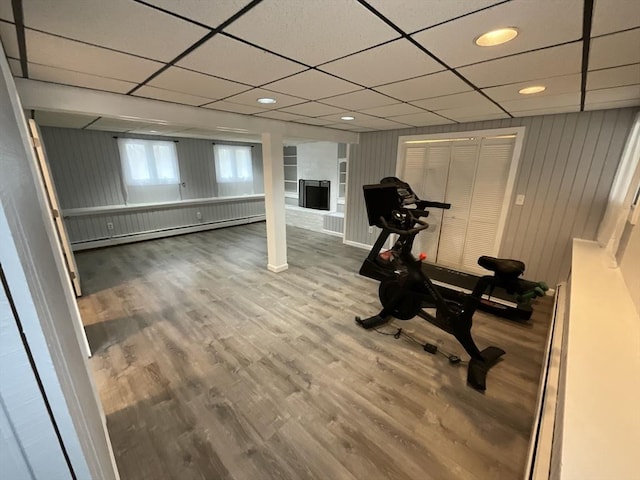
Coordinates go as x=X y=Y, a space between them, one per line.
x=234 y=170
x=150 y=170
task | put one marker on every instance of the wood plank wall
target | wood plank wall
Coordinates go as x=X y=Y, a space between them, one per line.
x=86 y=169
x=566 y=170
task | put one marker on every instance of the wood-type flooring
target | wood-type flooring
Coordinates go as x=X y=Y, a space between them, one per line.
x=211 y=367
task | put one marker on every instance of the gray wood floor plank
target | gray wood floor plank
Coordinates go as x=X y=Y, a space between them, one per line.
x=211 y=367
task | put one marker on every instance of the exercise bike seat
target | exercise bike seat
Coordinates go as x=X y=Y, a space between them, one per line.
x=502 y=267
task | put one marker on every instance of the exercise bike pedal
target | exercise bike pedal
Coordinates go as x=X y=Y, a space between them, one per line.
x=371 y=322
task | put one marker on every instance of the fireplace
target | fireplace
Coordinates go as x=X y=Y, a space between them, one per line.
x=314 y=194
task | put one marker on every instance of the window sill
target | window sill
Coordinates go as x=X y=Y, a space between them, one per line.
x=108 y=209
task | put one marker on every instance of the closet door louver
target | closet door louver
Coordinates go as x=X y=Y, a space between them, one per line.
x=487 y=200
x=459 y=192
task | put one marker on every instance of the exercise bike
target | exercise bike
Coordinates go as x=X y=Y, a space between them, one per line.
x=406 y=291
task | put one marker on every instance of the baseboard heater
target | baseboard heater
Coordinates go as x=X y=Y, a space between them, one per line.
x=542 y=446
x=162 y=232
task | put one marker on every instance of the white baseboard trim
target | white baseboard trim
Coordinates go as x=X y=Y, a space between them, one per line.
x=161 y=233
x=278 y=268
x=331 y=232
x=363 y=246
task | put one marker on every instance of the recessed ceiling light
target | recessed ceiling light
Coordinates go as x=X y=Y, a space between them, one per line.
x=496 y=37
x=347 y=117
x=266 y=100
x=530 y=90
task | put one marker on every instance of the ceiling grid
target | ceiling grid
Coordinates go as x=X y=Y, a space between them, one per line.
x=388 y=64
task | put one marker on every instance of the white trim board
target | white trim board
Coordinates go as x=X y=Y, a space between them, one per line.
x=109 y=209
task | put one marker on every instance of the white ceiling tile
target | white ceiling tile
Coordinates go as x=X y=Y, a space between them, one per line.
x=422 y=119
x=186 y=81
x=542 y=23
x=77 y=79
x=62 y=120
x=392 y=110
x=58 y=52
x=605 y=95
x=312 y=85
x=546 y=111
x=312 y=32
x=234 y=107
x=119 y=24
x=277 y=115
x=251 y=97
x=472 y=110
x=362 y=120
x=615 y=49
x=116 y=124
x=207 y=13
x=554 y=86
x=457 y=100
x=388 y=63
x=312 y=109
x=532 y=102
x=170 y=96
x=381 y=124
x=428 y=86
x=555 y=61
x=412 y=15
x=6 y=11
x=614 y=15
x=359 y=100
x=16 y=68
x=483 y=117
x=613 y=104
x=9 y=39
x=314 y=121
x=342 y=126
x=614 y=77
x=224 y=57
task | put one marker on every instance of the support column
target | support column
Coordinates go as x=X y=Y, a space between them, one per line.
x=274 y=201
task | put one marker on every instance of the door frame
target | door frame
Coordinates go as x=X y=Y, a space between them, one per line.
x=519 y=132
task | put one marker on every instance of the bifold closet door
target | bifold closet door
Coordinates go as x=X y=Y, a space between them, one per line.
x=472 y=176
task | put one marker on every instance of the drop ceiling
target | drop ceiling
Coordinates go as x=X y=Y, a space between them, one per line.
x=390 y=64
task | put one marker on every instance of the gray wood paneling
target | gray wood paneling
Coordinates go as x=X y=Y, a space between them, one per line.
x=85 y=165
x=86 y=169
x=566 y=169
x=93 y=226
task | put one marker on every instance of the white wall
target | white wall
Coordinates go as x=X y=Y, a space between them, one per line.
x=42 y=297
x=629 y=261
x=319 y=161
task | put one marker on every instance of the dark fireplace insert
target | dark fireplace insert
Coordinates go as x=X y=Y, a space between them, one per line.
x=314 y=194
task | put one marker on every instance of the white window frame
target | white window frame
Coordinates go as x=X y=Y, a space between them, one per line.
x=217 y=148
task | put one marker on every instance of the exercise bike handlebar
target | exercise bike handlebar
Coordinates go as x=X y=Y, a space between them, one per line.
x=427 y=204
x=412 y=231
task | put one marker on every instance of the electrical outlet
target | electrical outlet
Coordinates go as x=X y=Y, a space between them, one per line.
x=370 y=229
x=109 y=225
x=520 y=199
x=199 y=215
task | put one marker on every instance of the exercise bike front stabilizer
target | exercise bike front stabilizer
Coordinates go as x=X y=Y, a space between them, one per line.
x=405 y=290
